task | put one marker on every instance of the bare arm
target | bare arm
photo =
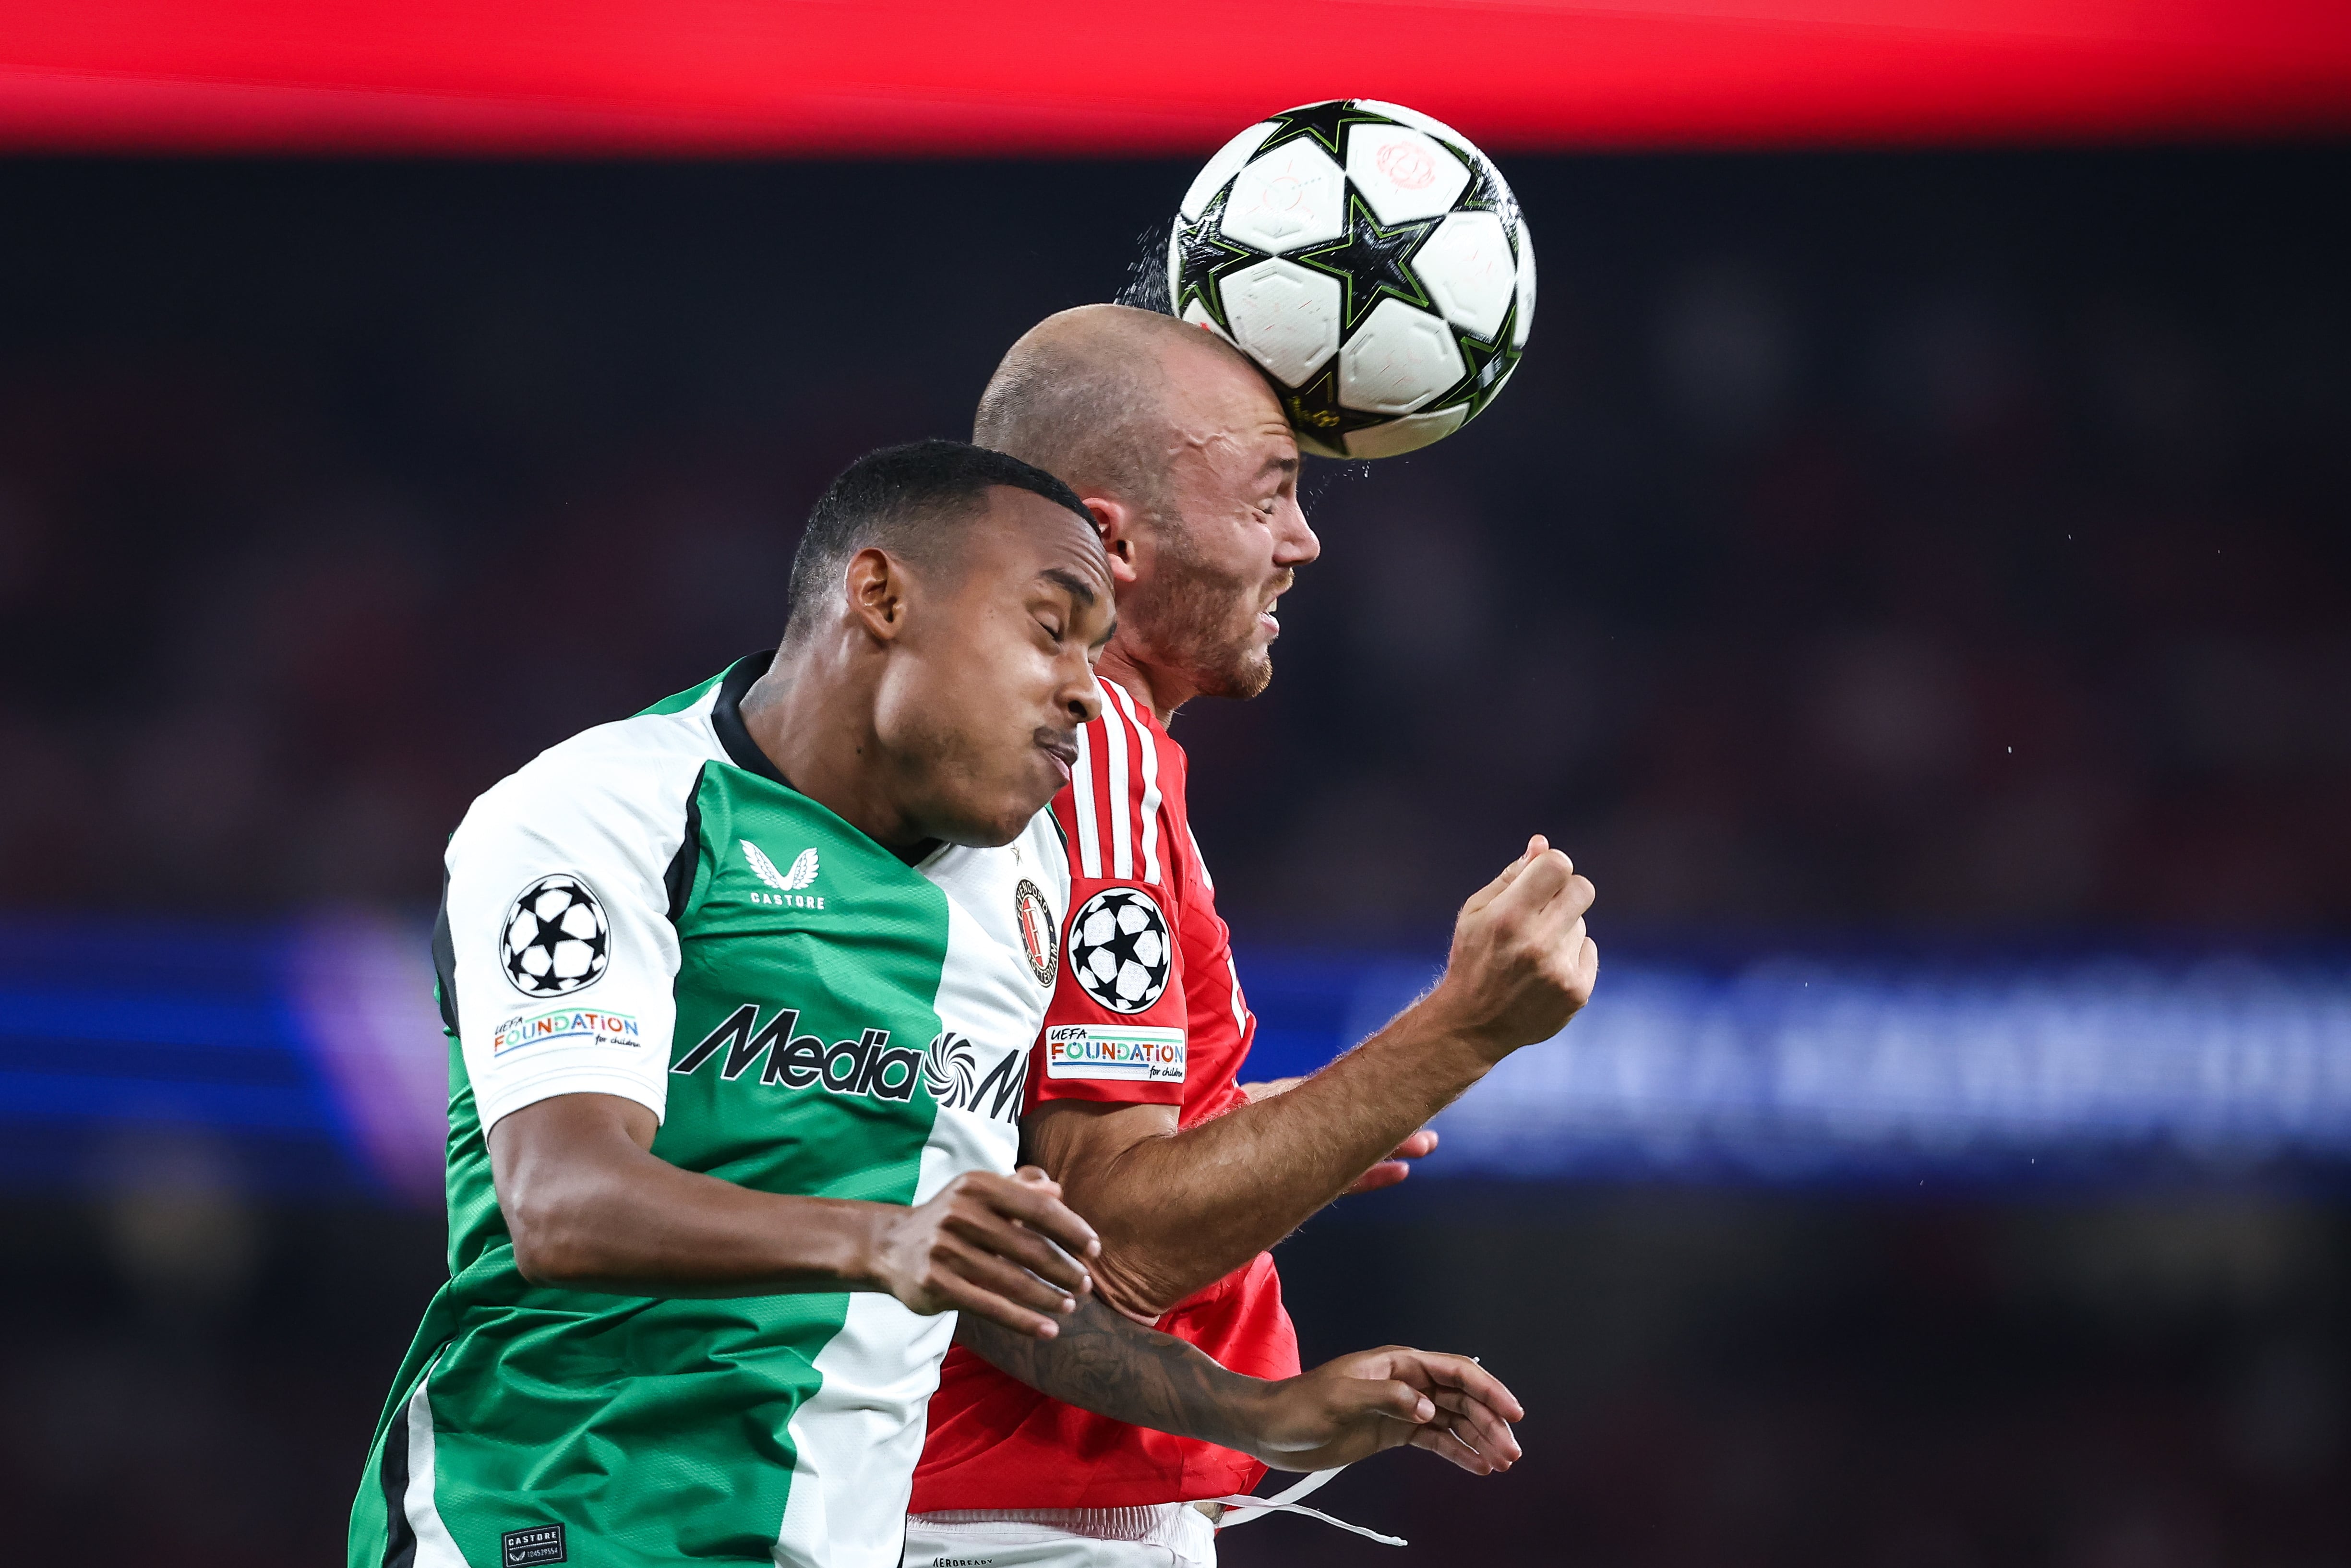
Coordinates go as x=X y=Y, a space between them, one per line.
x=1178 y=1210
x=590 y=1207
x=1343 y=1411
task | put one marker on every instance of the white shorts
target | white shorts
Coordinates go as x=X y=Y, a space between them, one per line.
x=1171 y=1535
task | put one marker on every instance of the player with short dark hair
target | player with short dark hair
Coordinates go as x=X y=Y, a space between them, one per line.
x=739 y=994
x=1183 y=455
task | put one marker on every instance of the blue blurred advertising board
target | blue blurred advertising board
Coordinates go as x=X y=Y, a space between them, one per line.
x=309 y=1056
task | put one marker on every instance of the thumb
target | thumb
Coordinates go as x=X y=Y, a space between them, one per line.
x=1398 y=1401
x=1485 y=896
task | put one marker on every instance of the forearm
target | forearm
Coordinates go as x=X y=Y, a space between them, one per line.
x=1114 y=1366
x=1179 y=1211
x=643 y=1227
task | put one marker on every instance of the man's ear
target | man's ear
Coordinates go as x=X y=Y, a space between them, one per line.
x=877 y=594
x=1116 y=522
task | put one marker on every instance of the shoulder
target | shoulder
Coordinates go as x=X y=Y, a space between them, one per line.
x=635 y=770
x=1124 y=793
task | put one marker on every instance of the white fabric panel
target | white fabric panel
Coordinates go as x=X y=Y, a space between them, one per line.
x=606 y=808
x=434 y=1547
x=857 y=1439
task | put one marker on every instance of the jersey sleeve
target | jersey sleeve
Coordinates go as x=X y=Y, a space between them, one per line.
x=1115 y=1030
x=556 y=948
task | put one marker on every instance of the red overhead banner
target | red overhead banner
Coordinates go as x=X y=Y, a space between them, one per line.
x=934 y=77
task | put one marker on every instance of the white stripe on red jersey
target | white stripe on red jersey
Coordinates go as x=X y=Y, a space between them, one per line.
x=1081 y=793
x=1149 y=811
x=1119 y=819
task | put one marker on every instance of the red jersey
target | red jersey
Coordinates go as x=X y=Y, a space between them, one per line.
x=1147 y=1009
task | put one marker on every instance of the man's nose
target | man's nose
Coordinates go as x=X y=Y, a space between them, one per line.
x=1085 y=698
x=1296 y=544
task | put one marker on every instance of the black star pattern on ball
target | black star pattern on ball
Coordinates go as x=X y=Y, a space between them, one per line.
x=1315 y=407
x=1489 y=363
x=1207 y=258
x=1372 y=261
x=1327 y=122
x=1486 y=191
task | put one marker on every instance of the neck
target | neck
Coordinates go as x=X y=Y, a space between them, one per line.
x=813 y=716
x=1155 y=687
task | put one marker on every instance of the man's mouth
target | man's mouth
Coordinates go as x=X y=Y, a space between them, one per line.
x=1061 y=749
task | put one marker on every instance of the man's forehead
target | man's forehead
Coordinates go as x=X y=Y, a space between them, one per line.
x=1040 y=537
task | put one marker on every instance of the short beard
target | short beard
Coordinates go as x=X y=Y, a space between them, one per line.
x=1187 y=627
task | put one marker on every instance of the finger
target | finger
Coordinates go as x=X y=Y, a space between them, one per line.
x=964 y=1296
x=1042 y=1212
x=1455 y=1372
x=1023 y=1248
x=1445 y=1446
x=1588 y=965
x=1035 y=1176
x=1477 y=1424
x=1418 y=1147
x=1388 y=1396
x=1388 y=1172
x=999 y=1278
x=1510 y=874
x=1536 y=887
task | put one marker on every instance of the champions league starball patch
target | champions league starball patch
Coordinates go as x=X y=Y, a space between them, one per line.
x=556 y=939
x=1118 y=949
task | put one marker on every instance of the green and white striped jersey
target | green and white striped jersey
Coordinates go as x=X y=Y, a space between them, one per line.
x=649 y=910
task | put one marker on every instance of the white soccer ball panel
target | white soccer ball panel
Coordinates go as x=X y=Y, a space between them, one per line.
x=1132 y=919
x=572 y=959
x=578 y=921
x=1146 y=948
x=535 y=962
x=1413 y=118
x=1526 y=289
x=1100 y=926
x=1133 y=979
x=1285 y=317
x=1104 y=963
x=1397 y=360
x=1223 y=167
x=1292 y=196
x=551 y=903
x=1404 y=175
x=1197 y=314
x=1466 y=266
x=1410 y=433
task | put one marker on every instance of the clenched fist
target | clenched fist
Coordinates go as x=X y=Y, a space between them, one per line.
x=1522 y=964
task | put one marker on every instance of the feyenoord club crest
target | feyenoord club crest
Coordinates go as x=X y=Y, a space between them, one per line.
x=1038 y=934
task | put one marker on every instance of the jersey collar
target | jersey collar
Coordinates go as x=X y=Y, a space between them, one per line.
x=726 y=717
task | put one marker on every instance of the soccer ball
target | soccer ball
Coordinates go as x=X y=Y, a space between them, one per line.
x=557 y=939
x=1370 y=260
x=1118 y=949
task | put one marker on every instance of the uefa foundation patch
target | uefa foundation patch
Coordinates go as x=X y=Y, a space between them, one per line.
x=1116 y=1053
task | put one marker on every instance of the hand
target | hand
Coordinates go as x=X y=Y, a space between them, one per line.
x=1522 y=964
x=1353 y=1407
x=1389 y=1172
x=1003 y=1247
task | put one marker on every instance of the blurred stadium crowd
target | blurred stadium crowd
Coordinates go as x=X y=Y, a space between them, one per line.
x=1942 y=541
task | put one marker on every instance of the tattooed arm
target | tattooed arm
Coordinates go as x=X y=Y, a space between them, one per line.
x=1341 y=1411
